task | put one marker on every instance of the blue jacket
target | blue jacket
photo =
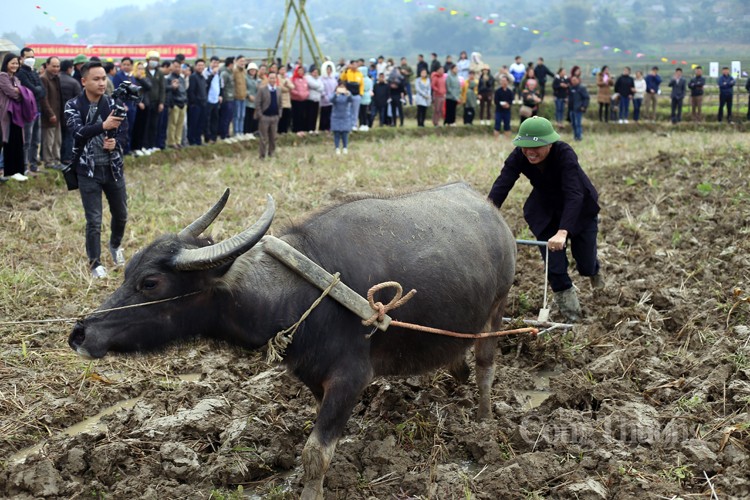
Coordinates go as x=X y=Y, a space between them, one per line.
x=652 y=83
x=76 y=111
x=562 y=193
x=578 y=98
x=341 y=120
x=726 y=85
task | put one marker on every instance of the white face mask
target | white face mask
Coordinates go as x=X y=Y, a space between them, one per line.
x=29 y=61
x=153 y=64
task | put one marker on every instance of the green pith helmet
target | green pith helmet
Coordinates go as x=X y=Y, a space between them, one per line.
x=80 y=59
x=535 y=132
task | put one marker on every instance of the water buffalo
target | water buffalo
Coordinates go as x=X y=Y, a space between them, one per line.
x=448 y=243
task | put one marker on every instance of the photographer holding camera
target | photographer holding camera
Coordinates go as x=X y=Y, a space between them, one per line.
x=100 y=135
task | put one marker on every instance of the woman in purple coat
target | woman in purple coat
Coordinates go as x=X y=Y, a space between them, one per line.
x=12 y=134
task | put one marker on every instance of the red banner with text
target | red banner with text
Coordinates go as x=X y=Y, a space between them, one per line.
x=116 y=52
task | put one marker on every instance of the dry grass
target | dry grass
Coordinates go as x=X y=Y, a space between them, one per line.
x=44 y=275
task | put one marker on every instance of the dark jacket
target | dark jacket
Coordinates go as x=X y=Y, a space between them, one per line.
x=52 y=104
x=652 y=83
x=696 y=85
x=486 y=85
x=32 y=81
x=562 y=194
x=624 y=85
x=197 y=92
x=503 y=95
x=381 y=92
x=541 y=72
x=726 y=84
x=422 y=65
x=175 y=96
x=434 y=65
x=560 y=92
x=578 y=98
x=678 y=88
x=157 y=93
x=76 y=111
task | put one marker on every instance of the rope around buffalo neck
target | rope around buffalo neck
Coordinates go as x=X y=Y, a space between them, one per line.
x=278 y=344
x=96 y=311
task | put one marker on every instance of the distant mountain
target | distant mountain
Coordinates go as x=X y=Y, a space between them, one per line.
x=394 y=27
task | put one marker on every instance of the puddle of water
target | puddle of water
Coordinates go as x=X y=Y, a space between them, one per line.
x=541 y=390
x=93 y=423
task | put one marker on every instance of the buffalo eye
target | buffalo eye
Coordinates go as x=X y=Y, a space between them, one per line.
x=149 y=284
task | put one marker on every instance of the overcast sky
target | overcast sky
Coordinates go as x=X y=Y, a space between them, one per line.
x=22 y=16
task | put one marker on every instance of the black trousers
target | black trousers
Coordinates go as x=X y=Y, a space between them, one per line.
x=450 y=111
x=285 y=120
x=251 y=124
x=725 y=100
x=421 y=115
x=364 y=114
x=196 y=119
x=299 y=116
x=91 y=189
x=468 y=116
x=311 y=115
x=151 y=137
x=397 y=109
x=583 y=249
x=13 y=157
x=211 y=130
x=677 y=110
x=325 y=118
x=603 y=108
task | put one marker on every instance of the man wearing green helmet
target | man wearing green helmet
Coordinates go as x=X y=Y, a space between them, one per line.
x=563 y=205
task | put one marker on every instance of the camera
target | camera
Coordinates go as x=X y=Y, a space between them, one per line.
x=125 y=92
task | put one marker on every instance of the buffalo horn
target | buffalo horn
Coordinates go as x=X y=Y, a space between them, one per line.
x=195 y=259
x=201 y=223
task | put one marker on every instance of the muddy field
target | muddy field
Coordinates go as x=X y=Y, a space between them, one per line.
x=649 y=397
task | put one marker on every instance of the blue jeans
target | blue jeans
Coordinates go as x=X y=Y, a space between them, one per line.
x=624 y=107
x=637 y=108
x=342 y=136
x=407 y=89
x=502 y=115
x=583 y=249
x=354 y=109
x=91 y=189
x=560 y=103
x=32 y=137
x=226 y=115
x=239 y=117
x=576 y=118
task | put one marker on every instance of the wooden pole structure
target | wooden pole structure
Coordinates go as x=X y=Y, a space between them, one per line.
x=307 y=39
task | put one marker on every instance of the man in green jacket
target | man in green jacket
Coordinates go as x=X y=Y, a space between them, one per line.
x=452 y=96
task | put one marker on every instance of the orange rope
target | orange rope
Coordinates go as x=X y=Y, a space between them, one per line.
x=398 y=300
x=482 y=335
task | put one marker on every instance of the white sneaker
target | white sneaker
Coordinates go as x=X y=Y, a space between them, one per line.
x=118 y=256
x=19 y=177
x=354 y=128
x=99 y=272
x=139 y=152
x=626 y=120
x=251 y=136
x=362 y=128
x=338 y=151
x=346 y=151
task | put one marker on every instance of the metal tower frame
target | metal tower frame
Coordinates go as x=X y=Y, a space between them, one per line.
x=296 y=9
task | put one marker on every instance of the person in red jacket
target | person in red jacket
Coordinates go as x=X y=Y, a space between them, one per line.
x=438 y=96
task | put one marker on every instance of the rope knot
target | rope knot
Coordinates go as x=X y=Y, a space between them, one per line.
x=380 y=309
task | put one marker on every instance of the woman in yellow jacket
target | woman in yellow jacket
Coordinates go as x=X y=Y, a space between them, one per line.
x=355 y=84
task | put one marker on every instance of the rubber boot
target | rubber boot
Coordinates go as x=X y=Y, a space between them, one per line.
x=567 y=302
x=597 y=281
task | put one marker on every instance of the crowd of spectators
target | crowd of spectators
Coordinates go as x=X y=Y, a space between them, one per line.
x=184 y=104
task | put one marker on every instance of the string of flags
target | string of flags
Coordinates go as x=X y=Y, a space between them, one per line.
x=493 y=21
x=62 y=25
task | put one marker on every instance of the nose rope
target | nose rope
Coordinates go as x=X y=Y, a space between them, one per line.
x=95 y=312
